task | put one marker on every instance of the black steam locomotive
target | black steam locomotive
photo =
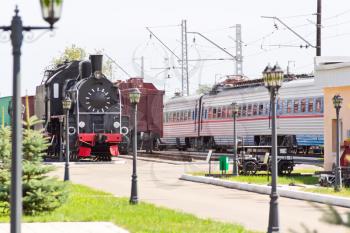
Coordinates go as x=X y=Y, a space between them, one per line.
x=96 y=126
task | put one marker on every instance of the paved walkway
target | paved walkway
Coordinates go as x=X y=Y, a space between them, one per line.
x=159 y=184
x=66 y=227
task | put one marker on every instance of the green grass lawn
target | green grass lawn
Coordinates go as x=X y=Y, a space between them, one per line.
x=86 y=204
x=287 y=180
x=345 y=192
x=261 y=177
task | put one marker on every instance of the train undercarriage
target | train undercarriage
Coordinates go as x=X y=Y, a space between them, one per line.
x=204 y=143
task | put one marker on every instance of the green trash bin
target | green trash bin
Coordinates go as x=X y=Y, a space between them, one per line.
x=224 y=164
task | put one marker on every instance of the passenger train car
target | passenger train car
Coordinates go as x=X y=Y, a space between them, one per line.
x=205 y=121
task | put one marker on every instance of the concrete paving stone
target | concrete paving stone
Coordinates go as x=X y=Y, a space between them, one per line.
x=66 y=227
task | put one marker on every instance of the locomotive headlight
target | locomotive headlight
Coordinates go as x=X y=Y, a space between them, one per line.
x=98 y=74
x=116 y=124
x=81 y=124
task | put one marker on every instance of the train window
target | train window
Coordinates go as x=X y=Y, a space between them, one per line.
x=229 y=112
x=224 y=115
x=255 y=109
x=296 y=106
x=267 y=108
x=289 y=106
x=303 y=105
x=244 y=110
x=215 y=114
x=261 y=109
x=219 y=115
x=311 y=105
x=249 y=110
x=239 y=111
x=279 y=106
x=210 y=114
x=319 y=107
x=56 y=90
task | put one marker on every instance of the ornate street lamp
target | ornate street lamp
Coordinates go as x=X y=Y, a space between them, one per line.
x=66 y=105
x=17 y=29
x=337 y=101
x=235 y=107
x=134 y=97
x=51 y=10
x=273 y=79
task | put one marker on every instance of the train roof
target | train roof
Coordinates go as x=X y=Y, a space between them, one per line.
x=136 y=82
x=238 y=82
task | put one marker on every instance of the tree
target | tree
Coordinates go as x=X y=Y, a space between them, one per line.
x=40 y=192
x=203 y=89
x=70 y=53
x=76 y=53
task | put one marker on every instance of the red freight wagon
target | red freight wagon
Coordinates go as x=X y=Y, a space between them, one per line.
x=150 y=111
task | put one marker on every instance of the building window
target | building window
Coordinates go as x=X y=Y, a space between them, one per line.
x=303 y=105
x=177 y=117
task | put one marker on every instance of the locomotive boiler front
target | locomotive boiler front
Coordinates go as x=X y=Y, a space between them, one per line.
x=96 y=117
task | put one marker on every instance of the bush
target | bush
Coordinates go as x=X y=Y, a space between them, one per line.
x=40 y=192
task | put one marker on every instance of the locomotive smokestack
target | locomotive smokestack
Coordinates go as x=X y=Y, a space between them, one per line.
x=96 y=64
x=84 y=69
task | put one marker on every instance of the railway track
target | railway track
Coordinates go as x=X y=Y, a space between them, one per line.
x=189 y=156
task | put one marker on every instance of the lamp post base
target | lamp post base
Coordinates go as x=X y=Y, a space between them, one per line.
x=273 y=214
x=134 y=198
x=66 y=172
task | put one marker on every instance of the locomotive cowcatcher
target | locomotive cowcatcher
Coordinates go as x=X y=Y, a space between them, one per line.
x=95 y=121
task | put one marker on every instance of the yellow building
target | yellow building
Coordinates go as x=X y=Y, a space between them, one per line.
x=333 y=74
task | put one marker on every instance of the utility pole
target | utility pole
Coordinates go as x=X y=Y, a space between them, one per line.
x=184 y=59
x=239 y=57
x=318 y=28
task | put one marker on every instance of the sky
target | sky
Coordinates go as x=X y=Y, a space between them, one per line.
x=118 y=28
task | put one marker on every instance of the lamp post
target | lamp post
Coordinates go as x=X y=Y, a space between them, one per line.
x=234 y=114
x=51 y=12
x=337 y=101
x=134 y=96
x=273 y=79
x=67 y=104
